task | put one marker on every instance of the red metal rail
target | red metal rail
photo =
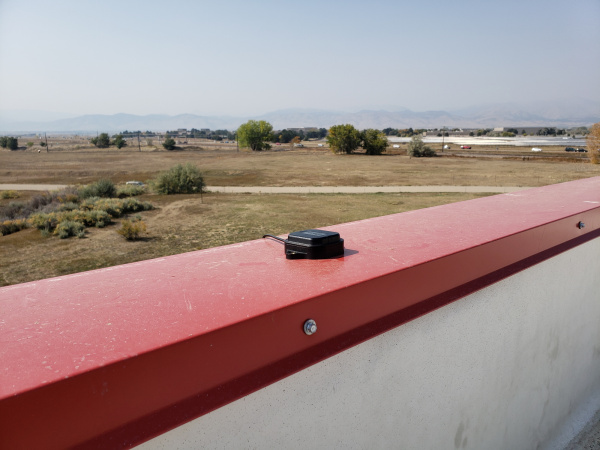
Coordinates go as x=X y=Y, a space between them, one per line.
x=113 y=357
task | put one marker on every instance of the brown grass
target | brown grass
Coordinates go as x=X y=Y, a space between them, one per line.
x=181 y=223
x=312 y=167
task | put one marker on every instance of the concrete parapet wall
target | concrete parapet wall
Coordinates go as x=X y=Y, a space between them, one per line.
x=502 y=368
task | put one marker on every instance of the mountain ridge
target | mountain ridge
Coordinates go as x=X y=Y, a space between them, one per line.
x=557 y=114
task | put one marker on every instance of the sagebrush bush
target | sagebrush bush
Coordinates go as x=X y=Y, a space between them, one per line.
x=12 y=210
x=49 y=221
x=180 y=179
x=12 y=226
x=130 y=190
x=132 y=230
x=68 y=206
x=43 y=221
x=48 y=211
x=5 y=195
x=68 y=228
x=101 y=188
x=118 y=207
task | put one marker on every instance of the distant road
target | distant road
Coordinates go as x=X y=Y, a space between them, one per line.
x=31 y=187
x=305 y=189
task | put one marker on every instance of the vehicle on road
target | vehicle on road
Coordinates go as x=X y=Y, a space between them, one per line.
x=135 y=183
x=582 y=150
x=468 y=147
x=570 y=149
x=536 y=149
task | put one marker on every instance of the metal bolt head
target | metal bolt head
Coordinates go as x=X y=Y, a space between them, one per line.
x=310 y=327
x=581 y=225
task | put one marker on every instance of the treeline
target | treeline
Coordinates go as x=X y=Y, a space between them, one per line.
x=287 y=136
x=403 y=132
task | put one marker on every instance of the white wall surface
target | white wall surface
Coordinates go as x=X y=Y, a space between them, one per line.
x=504 y=368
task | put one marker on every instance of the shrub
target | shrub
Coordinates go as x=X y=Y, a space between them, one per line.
x=43 y=221
x=101 y=188
x=49 y=221
x=68 y=206
x=105 y=188
x=48 y=211
x=102 y=141
x=113 y=207
x=418 y=149
x=180 y=179
x=68 y=228
x=119 y=141
x=12 y=226
x=9 y=194
x=130 y=190
x=12 y=210
x=132 y=230
x=12 y=143
x=169 y=144
x=30 y=144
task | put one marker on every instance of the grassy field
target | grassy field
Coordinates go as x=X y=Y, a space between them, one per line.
x=302 y=167
x=182 y=223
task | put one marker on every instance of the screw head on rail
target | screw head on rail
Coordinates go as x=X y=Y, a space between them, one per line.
x=581 y=225
x=310 y=327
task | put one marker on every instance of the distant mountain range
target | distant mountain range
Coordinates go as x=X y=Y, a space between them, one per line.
x=557 y=114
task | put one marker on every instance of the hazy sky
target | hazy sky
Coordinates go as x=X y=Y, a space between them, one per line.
x=250 y=57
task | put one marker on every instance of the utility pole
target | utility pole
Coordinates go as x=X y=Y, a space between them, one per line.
x=139 y=148
x=46 y=137
x=443 y=134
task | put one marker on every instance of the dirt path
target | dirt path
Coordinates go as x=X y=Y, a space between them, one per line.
x=305 y=189
x=359 y=189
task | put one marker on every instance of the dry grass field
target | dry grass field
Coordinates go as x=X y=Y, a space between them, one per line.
x=182 y=223
x=224 y=166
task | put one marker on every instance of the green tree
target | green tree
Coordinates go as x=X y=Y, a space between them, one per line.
x=102 y=141
x=344 y=138
x=255 y=134
x=12 y=143
x=418 y=149
x=169 y=144
x=374 y=142
x=119 y=141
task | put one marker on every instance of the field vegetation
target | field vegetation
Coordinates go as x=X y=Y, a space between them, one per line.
x=186 y=222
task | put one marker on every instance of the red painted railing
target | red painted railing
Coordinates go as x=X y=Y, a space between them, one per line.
x=113 y=357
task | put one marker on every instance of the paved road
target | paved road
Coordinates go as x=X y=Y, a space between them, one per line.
x=305 y=189
x=31 y=187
